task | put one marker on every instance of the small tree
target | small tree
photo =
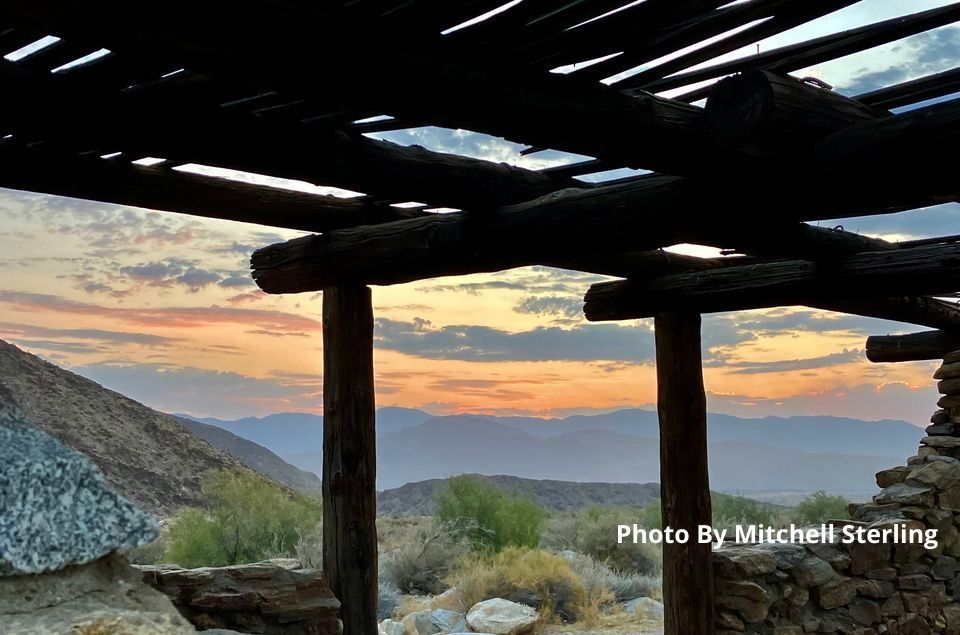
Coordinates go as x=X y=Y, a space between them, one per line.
x=488 y=518
x=818 y=507
x=247 y=519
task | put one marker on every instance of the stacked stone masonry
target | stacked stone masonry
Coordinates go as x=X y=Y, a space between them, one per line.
x=858 y=588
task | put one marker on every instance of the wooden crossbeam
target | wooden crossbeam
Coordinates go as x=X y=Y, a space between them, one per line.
x=786 y=18
x=914 y=91
x=180 y=121
x=803 y=54
x=855 y=173
x=919 y=270
x=161 y=188
x=913 y=346
x=386 y=71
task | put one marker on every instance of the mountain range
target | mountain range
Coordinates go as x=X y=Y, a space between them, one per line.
x=771 y=453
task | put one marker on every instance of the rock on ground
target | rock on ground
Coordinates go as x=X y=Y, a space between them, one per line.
x=106 y=594
x=502 y=617
x=57 y=508
x=271 y=597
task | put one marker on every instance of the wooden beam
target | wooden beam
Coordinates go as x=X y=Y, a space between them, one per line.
x=161 y=188
x=684 y=477
x=401 y=76
x=803 y=54
x=856 y=172
x=350 y=456
x=920 y=270
x=768 y=114
x=181 y=119
x=912 y=347
x=914 y=91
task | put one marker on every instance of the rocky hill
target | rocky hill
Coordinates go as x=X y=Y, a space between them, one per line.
x=149 y=457
x=416 y=499
x=256 y=457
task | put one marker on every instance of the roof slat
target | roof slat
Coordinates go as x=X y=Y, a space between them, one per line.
x=914 y=91
x=818 y=50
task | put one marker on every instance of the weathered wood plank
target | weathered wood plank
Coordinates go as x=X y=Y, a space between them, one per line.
x=856 y=171
x=350 y=456
x=399 y=75
x=913 y=346
x=187 y=124
x=899 y=272
x=162 y=188
x=684 y=478
x=914 y=91
x=769 y=114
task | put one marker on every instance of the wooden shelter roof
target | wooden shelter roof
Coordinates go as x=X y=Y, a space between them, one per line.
x=287 y=89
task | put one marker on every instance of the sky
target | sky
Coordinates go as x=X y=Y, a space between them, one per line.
x=161 y=307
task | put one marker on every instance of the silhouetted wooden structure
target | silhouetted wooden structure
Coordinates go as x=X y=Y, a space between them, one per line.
x=286 y=88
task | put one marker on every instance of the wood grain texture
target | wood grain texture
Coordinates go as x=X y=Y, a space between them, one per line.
x=899 y=272
x=684 y=479
x=913 y=346
x=350 y=456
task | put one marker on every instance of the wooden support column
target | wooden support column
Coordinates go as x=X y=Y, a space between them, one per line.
x=349 y=456
x=684 y=481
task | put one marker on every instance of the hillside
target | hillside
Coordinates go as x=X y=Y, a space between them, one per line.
x=416 y=499
x=256 y=457
x=148 y=456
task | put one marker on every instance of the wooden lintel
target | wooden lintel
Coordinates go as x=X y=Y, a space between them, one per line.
x=927 y=270
x=684 y=477
x=121 y=182
x=926 y=345
x=350 y=456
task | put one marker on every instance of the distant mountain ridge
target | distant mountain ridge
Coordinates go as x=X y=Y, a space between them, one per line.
x=773 y=453
x=417 y=499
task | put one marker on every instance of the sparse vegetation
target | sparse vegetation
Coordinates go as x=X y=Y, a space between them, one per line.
x=488 y=518
x=729 y=510
x=819 y=507
x=415 y=557
x=593 y=531
x=247 y=519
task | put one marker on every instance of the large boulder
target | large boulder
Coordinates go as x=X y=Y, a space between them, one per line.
x=270 y=597
x=57 y=508
x=103 y=596
x=502 y=617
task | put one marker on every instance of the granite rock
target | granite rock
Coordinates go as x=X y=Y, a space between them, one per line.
x=57 y=508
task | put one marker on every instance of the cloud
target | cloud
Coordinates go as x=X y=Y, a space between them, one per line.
x=205 y=392
x=925 y=53
x=787 y=365
x=551 y=305
x=170 y=317
x=485 y=344
x=113 y=337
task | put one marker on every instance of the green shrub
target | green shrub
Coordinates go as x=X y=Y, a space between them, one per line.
x=593 y=531
x=487 y=517
x=247 y=519
x=729 y=510
x=818 y=507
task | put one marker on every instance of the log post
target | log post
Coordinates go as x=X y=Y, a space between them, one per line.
x=684 y=482
x=349 y=456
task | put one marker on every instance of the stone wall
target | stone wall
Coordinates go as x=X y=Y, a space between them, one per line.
x=866 y=589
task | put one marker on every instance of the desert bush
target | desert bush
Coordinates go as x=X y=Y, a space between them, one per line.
x=309 y=549
x=593 y=531
x=420 y=557
x=533 y=577
x=487 y=517
x=247 y=519
x=598 y=577
x=729 y=510
x=818 y=507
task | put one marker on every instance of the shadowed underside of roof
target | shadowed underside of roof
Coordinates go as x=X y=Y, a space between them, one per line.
x=263 y=114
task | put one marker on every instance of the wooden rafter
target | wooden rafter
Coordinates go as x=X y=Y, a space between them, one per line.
x=913 y=346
